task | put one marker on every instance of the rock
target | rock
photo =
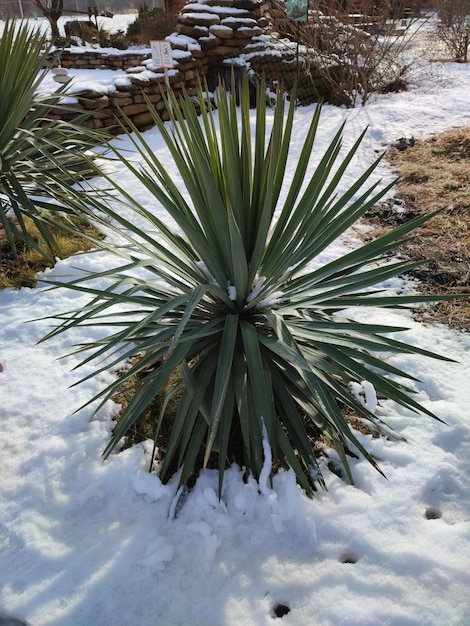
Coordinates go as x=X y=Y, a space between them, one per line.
x=247 y=33
x=199 y=19
x=60 y=71
x=95 y=103
x=220 y=51
x=219 y=3
x=191 y=31
x=62 y=79
x=138 y=79
x=239 y=22
x=221 y=31
x=403 y=143
x=209 y=42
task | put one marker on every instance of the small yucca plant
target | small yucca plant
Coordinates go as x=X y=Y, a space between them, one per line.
x=231 y=301
x=37 y=155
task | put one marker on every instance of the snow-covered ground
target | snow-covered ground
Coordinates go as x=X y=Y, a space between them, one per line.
x=111 y=24
x=84 y=542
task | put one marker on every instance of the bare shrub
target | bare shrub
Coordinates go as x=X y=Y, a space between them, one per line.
x=453 y=27
x=355 y=54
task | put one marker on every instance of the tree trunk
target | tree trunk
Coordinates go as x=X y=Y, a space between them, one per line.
x=52 y=11
x=54 y=27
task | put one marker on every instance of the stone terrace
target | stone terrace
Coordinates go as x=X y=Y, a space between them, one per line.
x=207 y=31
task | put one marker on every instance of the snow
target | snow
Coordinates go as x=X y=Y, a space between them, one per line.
x=85 y=542
x=98 y=81
x=177 y=39
x=112 y=25
x=364 y=392
x=222 y=10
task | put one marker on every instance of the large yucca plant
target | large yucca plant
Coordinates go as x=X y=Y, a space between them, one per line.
x=230 y=299
x=36 y=154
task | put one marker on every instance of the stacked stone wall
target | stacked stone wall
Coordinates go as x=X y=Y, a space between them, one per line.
x=94 y=59
x=206 y=33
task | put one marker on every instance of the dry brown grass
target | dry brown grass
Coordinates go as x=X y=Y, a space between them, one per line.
x=21 y=271
x=144 y=427
x=435 y=174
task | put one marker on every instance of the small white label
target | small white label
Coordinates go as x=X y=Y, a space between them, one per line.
x=162 y=53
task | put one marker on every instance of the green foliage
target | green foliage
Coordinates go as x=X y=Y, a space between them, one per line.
x=150 y=24
x=232 y=300
x=37 y=156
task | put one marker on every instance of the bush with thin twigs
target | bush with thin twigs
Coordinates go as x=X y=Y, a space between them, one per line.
x=342 y=58
x=453 y=27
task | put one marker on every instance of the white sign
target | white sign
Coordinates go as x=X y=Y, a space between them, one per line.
x=161 y=53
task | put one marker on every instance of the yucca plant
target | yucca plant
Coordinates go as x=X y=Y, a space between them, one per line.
x=231 y=301
x=35 y=153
